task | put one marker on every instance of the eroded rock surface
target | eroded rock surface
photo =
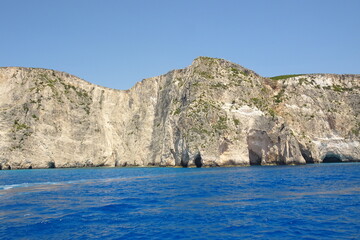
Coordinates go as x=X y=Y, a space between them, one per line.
x=212 y=113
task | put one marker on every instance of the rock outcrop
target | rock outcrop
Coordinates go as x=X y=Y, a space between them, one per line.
x=212 y=113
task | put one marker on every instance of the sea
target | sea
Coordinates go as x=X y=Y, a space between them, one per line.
x=317 y=201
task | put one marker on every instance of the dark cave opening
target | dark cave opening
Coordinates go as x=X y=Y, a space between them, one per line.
x=184 y=164
x=332 y=158
x=184 y=159
x=198 y=161
x=51 y=165
x=254 y=158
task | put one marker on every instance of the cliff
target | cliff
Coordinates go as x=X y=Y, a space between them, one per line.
x=212 y=113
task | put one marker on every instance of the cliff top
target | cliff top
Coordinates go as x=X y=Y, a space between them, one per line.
x=201 y=64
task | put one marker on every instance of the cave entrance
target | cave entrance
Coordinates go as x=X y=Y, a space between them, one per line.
x=255 y=159
x=332 y=158
x=184 y=159
x=198 y=161
x=51 y=165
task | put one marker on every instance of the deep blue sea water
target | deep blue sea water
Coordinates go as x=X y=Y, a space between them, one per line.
x=319 y=201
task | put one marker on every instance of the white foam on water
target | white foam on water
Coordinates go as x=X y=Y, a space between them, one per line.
x=27 y=185
x=47 y=184
x=6 y=187
x=44 y=185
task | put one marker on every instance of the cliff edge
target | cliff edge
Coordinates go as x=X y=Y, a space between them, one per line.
x=212 y=113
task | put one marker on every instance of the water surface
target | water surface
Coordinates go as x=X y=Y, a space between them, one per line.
x=319 y=201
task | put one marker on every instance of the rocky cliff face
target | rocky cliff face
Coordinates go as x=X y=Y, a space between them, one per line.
x=212 y=113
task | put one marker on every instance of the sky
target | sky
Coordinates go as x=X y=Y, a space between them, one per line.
x=116 y=43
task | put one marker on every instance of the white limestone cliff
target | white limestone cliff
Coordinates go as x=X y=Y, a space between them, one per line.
x=212 y=113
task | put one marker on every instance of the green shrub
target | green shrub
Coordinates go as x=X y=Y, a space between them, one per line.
x=236 y=121
x=19 y=126
x=337 y=88
x=177 y=111
x=272 y=112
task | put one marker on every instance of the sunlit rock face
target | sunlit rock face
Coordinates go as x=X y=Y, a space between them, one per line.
x=212 y=113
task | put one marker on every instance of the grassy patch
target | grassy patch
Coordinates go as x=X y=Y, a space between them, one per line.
x=302 y=80
x=337 y=88
x=234 y=71
x=272 y=112
x=19 y=126
x=245 y=73
x=285 y=76
x=356 y=132
x=206 y=75
x=236 y=121
x=208 y=59
x=200 y=131
x=256 y=101
x=278 y=98
x=177 y=111
x=196 y=84
x=221 y=124
x=219 y=85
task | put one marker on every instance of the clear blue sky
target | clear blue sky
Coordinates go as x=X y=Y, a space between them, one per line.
x=116 y=43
